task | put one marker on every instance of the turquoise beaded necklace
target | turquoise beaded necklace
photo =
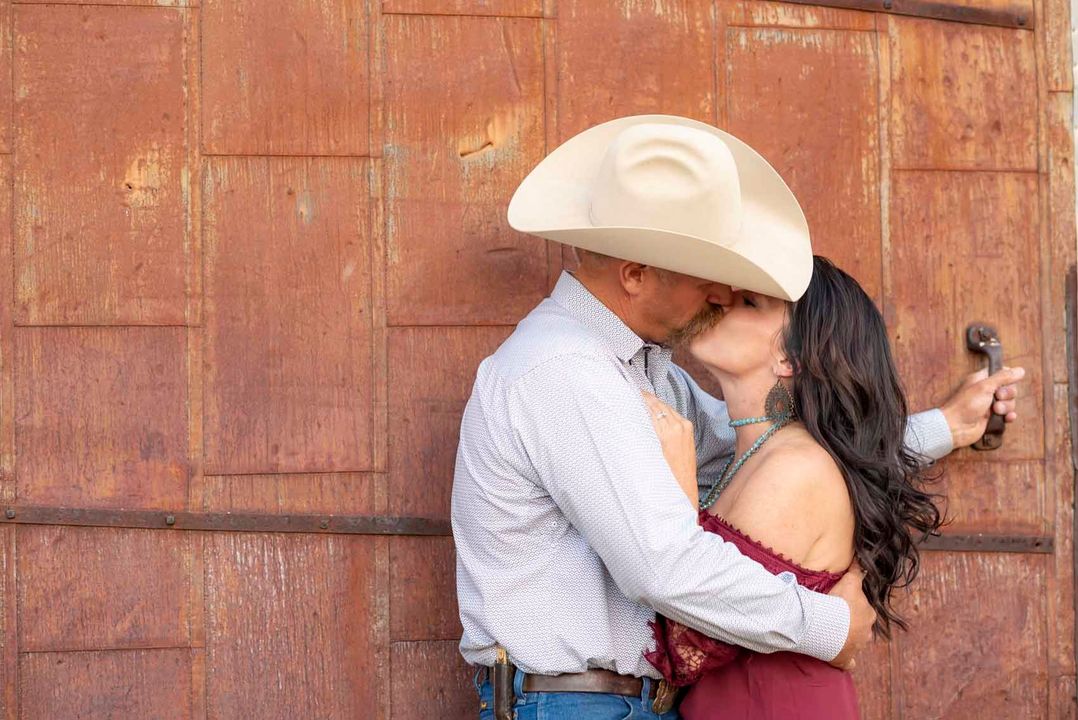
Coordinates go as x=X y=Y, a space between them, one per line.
x=778 y=420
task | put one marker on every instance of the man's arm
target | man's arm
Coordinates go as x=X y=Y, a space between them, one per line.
x=928 y=435
x=932 y=434
x=590 y=439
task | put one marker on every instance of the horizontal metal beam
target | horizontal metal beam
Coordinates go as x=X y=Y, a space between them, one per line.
x=1013 y=16
x=224 y=521
x=991 y=543
x=382 y=525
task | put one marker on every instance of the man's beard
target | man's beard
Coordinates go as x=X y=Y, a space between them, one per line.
x=700 y=323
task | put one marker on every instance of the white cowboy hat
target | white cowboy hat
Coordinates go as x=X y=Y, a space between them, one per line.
x=672 y=193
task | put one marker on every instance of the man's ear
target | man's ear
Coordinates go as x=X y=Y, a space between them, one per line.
x=632 y=276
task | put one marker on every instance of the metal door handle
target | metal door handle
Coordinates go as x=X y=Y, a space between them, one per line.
x=982 y=338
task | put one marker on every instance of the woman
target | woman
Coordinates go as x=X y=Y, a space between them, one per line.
x=820 y=479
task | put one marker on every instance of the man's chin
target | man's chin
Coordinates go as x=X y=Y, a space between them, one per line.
x=684 y=336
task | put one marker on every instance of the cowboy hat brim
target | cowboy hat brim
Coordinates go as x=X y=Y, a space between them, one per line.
x=770 y=252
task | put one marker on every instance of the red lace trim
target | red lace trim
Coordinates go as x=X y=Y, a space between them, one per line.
x=683 y=655
x=769 y=556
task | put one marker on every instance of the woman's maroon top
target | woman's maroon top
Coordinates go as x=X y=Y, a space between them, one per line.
x=730 y=683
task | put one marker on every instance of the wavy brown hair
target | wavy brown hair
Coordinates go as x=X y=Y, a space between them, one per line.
x=847 y=393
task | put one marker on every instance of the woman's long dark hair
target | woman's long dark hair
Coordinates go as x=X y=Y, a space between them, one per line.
x=847 y=393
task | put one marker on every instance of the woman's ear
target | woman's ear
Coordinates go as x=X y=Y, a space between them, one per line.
x=784 y=368
x=780 y=363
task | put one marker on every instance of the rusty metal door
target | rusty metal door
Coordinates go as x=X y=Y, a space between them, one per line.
x=258 y=248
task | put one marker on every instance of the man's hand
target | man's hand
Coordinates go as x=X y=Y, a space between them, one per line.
x=862 y=616
x=968 y=410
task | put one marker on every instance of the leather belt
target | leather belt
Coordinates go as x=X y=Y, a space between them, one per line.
x=595 y=681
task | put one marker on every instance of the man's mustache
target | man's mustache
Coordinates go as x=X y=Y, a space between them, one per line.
x=701 y=322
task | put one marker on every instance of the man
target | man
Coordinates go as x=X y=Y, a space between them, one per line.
x=571 y=531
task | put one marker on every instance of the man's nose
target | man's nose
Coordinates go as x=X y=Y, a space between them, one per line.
x=720 y=294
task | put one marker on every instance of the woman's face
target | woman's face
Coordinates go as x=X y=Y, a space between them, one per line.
x=747 y=339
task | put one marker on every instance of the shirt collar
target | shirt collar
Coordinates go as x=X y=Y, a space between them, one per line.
x=571 y=294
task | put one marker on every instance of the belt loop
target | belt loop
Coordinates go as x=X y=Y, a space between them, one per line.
x=645 y=690
x=518 y=685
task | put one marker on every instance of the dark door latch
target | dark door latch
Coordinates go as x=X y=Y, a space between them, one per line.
x=984 y=339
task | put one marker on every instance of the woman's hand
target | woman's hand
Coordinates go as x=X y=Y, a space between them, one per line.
x=678 y=443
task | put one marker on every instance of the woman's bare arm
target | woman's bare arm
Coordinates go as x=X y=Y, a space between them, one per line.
x=678 y=442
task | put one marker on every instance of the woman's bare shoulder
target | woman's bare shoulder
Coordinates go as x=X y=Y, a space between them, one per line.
x=799 y=465
x=794 y=496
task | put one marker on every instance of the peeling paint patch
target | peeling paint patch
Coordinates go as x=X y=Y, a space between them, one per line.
x=499 y=138
x=144 y=177
x=305 y=206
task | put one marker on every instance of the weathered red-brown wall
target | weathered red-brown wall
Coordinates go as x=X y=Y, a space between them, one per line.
x=258 y=247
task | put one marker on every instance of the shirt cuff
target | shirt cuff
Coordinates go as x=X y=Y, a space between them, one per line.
x=828 y=627
x=929 y=435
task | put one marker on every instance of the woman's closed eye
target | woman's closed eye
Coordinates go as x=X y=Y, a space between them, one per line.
x=748 y=300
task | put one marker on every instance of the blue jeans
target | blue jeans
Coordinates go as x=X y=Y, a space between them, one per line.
x=570 y=706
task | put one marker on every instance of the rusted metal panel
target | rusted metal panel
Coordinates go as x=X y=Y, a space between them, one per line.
x=288 y=626
x=7 y=341
x=9 y=673
x=336 y=493
x=976 y=643
x=432 y=674
x=1004 y=13
x=425 y=406
x=1069 y=475
x=1063 y=702
x=1060 y=476
x=652 y=58
x=6 y=80
x=1071 y=305
x=1062 y=236
x=790 y=15
x=989 y=497
x=422 y=590
x=872 y=676
x=464 y=109
x=379 y=330
x=957 y=238
x=224 y=521
x=101 y=416
x=962 y=96
x=284 y=77
x=145 y=3
x=501 y=8
x=288 y=355
x=152 y=683
x=1054 y=27
x=800 y=95
x=100 y=165
x=90 y=588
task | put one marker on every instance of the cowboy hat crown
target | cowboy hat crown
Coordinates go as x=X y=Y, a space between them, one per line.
x=673 y=193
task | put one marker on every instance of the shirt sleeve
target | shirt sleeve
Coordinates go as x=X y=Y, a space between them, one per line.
x=587 y=434
x=928 y=435
x=715 y=439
